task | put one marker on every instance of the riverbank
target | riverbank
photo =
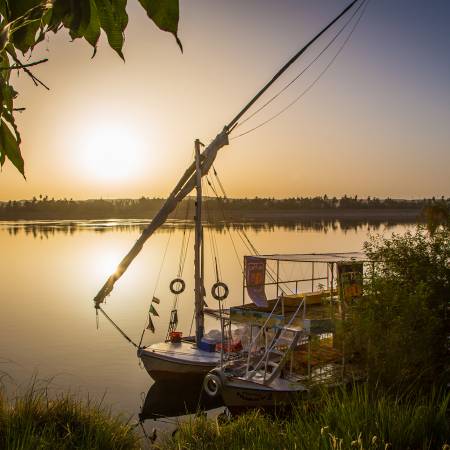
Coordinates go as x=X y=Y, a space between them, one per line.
x=341 y=420
x=260 y=209
x=35 y=421
x=357 y=418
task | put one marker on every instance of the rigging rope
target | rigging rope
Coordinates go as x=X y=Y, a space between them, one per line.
x=312 y=84
x=304 y=70
x=242 y=234
x=291 y=61
x=117 y=327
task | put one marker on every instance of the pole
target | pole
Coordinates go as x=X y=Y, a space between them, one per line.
x=199 y=290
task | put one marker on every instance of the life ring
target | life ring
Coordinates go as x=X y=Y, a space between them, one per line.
x=216 y=289
x=212 y=384
x=181 y=288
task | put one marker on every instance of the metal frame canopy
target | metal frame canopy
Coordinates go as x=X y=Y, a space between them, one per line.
x=317 y=257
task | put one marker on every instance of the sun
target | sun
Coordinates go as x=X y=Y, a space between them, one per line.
x=111 y=153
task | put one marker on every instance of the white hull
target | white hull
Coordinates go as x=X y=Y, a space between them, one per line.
x=167 y=360
x=239 y=394
x=246 y=395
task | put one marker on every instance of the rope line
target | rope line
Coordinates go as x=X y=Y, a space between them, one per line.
x=304 y=70
x=117 y=327
x=311 y=85
x=286 y=66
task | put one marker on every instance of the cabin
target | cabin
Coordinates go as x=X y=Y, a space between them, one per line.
x=304 y=295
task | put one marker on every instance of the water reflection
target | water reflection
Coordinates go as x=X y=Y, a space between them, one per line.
x=46 y=229
x=174 y=399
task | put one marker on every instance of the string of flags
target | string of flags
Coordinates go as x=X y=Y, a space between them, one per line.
x=152 y=312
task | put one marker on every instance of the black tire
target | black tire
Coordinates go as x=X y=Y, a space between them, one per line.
x=174 y=282
x=215 y=289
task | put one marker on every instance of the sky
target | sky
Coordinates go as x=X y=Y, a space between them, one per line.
x=376 y=123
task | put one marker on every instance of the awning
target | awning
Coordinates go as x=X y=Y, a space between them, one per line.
x=317 y=257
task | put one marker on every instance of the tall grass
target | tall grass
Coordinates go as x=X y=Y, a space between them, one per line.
x=340 y=420
x=34 y=421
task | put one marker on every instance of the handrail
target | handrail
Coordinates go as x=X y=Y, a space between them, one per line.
x=258 y=334
x=272 y=344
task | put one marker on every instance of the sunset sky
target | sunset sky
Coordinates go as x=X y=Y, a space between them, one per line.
x=377 y=123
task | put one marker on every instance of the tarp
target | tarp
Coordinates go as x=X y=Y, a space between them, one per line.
x=255 y=279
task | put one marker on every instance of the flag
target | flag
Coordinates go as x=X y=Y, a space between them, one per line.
x=150 y=325
x=153 y=311
x=156 y=300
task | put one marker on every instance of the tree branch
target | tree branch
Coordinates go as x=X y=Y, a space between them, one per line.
x=36 y=80
x=23 y=66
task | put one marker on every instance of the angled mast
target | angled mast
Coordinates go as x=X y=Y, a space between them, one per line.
x=188 y=181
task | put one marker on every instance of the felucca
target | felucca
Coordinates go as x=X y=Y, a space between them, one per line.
x=192 y=356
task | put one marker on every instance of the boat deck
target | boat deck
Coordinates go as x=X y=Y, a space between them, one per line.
x=182 y=352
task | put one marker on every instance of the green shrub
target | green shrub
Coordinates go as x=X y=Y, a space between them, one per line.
x=399 y=329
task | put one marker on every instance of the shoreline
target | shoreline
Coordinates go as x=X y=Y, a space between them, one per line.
x=382 y=214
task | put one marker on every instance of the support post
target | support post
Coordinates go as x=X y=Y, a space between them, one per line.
x=199 y=288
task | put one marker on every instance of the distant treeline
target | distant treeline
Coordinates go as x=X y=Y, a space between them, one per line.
x=44 y=208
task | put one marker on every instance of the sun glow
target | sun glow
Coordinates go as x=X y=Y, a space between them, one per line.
x=112 y=153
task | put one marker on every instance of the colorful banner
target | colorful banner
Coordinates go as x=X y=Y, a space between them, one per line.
x=255 y=278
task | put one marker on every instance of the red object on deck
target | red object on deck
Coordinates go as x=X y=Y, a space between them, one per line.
x=175 y=336
x=235 y=346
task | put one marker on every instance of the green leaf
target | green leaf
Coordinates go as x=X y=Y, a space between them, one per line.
x=113 y=20
x=10 y=146
x=165 y=14
x=26 y=15
x=92 y=33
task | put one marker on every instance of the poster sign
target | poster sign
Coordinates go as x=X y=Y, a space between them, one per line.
x=255 y=278
x=350 y=276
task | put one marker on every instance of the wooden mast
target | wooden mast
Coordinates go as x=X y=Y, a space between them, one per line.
x=198 y=264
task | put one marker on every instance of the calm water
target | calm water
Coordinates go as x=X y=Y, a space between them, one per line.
x=51 y=271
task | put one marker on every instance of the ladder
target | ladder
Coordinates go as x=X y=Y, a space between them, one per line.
x=275 y=358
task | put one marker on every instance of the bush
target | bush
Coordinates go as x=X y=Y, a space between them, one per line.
x=399 y=329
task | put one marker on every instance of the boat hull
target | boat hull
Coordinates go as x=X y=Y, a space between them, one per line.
x=239 y=394
x=166 y=361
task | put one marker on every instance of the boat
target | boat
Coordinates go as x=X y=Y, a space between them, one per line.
x=192 y=357
x=195 y=356
x=293 y=346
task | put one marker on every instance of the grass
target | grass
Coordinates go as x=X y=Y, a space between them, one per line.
x=340 y=420
x=34 y=421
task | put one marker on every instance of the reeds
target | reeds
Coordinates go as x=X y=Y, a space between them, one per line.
x=34 y=421
x=340 y=420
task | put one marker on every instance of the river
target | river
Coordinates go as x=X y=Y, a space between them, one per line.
x=50 y=271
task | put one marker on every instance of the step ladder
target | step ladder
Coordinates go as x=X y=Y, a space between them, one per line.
x=275 y=358
x=277 y=353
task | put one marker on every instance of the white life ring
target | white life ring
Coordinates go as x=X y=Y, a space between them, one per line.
x=212 y=384
x=179 y=281
x=215 y=289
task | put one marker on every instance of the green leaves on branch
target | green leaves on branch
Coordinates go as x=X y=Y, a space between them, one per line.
x=165 y=14
x=25 y=23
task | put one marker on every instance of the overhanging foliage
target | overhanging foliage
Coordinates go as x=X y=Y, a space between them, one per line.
x=25 y=23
